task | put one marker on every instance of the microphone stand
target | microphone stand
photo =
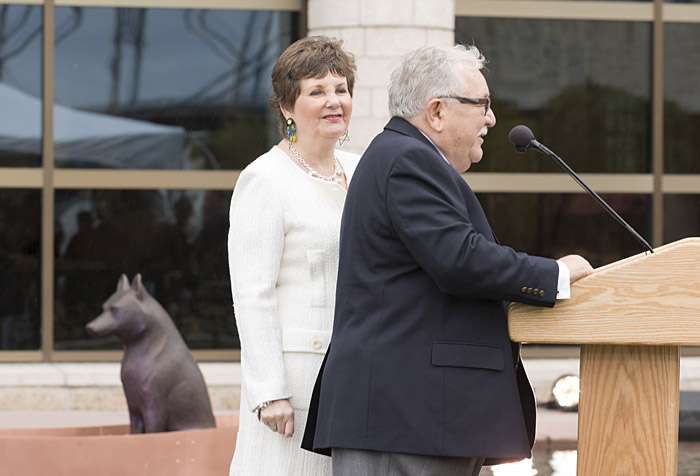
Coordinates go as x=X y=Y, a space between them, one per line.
x=542 y=149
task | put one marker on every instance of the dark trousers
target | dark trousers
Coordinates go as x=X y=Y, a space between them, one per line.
x=349 y=462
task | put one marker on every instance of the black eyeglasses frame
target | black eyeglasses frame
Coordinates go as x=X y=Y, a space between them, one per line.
x=475 y=101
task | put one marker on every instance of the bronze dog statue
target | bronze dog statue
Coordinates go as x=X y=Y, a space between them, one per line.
x=164 y=388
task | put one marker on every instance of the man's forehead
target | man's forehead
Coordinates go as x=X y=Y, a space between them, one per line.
x=475 y=82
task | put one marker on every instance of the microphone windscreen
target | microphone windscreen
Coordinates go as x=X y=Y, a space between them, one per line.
x=521 y=135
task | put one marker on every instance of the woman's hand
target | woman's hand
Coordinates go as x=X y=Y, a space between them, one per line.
x=279 y=417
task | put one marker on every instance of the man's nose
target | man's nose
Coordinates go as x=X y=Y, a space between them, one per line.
x=490 y=118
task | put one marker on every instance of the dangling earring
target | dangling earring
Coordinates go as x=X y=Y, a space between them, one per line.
x=290 y=132
x=343 y=138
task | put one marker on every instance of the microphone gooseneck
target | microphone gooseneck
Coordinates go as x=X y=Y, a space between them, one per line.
x=524 y=139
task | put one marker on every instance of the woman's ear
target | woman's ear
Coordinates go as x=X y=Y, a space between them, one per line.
x=287 y=114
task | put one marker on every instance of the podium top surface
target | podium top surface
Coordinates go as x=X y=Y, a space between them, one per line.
x=646 y=299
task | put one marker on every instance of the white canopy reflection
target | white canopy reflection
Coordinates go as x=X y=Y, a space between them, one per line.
x=561 y=463
x=521 y=468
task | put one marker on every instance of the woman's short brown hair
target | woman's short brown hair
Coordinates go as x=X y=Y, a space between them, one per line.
x=310 y=57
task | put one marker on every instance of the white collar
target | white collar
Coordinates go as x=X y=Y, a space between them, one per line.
x=436 y=147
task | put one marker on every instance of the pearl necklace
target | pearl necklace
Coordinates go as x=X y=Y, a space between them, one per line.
x=334 y=177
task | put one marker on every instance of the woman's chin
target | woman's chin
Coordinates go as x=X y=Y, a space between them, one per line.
x=332 y=134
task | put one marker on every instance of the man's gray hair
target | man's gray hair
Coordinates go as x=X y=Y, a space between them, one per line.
x=427 y=73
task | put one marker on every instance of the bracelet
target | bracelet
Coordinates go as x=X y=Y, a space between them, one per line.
x=257 y=410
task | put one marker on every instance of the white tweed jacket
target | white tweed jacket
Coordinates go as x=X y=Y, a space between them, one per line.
x=283 y=260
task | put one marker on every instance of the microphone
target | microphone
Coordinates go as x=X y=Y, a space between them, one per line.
x=524 y=139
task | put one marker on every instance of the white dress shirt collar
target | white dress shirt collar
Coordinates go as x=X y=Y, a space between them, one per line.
x=436 y=147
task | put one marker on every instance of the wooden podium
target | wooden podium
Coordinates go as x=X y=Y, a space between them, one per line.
x=630 y=318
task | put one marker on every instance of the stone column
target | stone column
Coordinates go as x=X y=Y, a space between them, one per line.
x=378 y=33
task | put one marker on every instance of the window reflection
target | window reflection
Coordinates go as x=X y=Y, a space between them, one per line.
x=20 y=283
x=20 y=86
x=563 y=463
x=583 y=87
x=521 y=468
x=547 y=462
x=165 y=88
x=682 y=98
x=681 y=217
x=544 y=463
x=555 y=225
x=175 y=239
x=646 y=1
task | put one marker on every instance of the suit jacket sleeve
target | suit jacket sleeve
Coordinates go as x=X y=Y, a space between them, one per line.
x=428 y=208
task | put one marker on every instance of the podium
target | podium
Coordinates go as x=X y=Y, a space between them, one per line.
x=630 y=318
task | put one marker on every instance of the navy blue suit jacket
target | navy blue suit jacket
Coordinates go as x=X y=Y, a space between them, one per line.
x=420 y=359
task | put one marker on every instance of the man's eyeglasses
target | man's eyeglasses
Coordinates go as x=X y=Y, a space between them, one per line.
x=477 y=101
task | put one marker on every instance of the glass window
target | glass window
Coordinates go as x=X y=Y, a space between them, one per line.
x=583 y=87
x=164 y=88
x=681 y=216
x=20 y=281
x=20 y=85
x=645 y=1
x=608 y=1
x=682 y=98
x=556 y=225
x=175 y=239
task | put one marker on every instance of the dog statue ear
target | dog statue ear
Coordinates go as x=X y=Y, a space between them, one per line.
x=123 y=284
x=137 y=286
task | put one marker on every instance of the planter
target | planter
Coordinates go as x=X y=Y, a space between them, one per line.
x=113 y=451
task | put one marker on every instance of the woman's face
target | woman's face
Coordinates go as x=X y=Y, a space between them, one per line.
x=323 y=108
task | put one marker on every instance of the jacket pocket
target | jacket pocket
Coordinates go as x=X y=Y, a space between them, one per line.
x=305 y=340
x=462 y=354
x=317 y=278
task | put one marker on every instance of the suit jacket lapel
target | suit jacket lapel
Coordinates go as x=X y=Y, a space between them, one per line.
x=402 y=126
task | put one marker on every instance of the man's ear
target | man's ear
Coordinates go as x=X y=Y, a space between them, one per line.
x=435 y=114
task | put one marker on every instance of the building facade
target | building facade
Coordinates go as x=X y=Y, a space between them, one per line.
x=124 y=125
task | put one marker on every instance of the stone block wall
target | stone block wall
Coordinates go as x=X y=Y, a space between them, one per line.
x=378 y=33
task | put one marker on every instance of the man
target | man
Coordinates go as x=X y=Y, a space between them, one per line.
x=421 y=377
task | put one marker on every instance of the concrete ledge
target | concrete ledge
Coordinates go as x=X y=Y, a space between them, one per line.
x=89 y=386
x=96 y=386
x=96 y=374
x=544 y=372
x=61 y=419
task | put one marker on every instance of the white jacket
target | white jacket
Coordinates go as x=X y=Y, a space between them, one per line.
x=283 y=259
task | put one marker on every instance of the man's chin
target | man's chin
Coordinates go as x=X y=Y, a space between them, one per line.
x=475 y=158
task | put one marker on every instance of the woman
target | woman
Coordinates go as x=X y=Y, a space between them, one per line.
x=283 y=256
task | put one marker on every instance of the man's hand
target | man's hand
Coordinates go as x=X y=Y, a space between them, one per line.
x=279 y=416
x=578 y=267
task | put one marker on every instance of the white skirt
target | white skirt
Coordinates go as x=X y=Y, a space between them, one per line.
x=262 y=452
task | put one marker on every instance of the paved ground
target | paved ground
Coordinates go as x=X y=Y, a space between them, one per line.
x=554 y=428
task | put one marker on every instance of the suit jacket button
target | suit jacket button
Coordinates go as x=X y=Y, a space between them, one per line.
x=524 y=289
x=535 y=291
x=529 y=290
x=541 y=292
